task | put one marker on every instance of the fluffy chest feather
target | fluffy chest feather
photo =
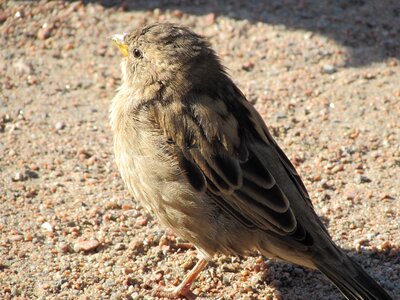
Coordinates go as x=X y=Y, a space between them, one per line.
x=148 y=165
x=145 y=167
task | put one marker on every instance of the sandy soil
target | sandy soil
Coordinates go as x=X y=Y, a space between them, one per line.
x=325 y=76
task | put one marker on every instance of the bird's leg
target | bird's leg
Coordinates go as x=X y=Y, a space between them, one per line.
x=183 y=289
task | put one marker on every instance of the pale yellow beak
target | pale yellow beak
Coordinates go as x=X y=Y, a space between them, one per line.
x=118 y=40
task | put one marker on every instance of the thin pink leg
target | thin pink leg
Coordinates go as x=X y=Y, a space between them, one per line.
x=183 y=289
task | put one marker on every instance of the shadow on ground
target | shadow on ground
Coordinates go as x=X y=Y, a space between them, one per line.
x=370 y=30
x=369 y=260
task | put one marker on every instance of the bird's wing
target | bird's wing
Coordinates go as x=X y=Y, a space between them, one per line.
x=228 y=152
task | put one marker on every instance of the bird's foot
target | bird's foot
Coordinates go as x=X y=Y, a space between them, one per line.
x=175 y=293
x=183 y=290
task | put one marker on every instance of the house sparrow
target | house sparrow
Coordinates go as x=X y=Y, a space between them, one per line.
x=197 y=154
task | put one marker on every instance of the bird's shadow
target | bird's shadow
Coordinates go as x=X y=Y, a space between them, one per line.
x=368 y=30
x=369 y=260
x=289 y=279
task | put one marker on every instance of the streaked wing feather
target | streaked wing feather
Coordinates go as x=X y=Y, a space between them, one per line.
x=236 y=178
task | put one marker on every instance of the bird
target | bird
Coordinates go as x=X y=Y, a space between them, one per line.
x=198 y=156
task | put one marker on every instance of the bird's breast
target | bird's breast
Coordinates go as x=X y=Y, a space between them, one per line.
x=145 y=169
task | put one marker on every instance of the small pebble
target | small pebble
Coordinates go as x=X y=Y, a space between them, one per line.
x=16 y=238
x=19 y=176
x=86 y=246
x=3 y=17
x=248 y=66
x=177 y=13
x=329 y=69
x=384 y=246
x=64 y=247
x=135 y=244
x=280 y=115
x=135 y=296
x=338 y=168
x=298 y=271
x=44 y=33
x=59 y=125
x=109 y=283
x=141 y=221
x=23 y=67
x=47 y=226
x=361 y=179
x=120 y=246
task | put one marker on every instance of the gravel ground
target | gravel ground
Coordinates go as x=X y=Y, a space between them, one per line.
x=325 y=76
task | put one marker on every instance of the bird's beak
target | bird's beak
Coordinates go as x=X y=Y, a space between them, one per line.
x=118 y=40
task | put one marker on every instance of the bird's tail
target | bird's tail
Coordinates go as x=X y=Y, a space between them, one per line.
x=352 y=280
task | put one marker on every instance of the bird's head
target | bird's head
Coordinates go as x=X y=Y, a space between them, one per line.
x=166 y=55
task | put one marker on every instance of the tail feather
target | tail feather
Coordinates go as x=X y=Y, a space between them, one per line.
x=353 y=281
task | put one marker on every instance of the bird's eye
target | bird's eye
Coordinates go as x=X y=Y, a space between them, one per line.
x=137 y=53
